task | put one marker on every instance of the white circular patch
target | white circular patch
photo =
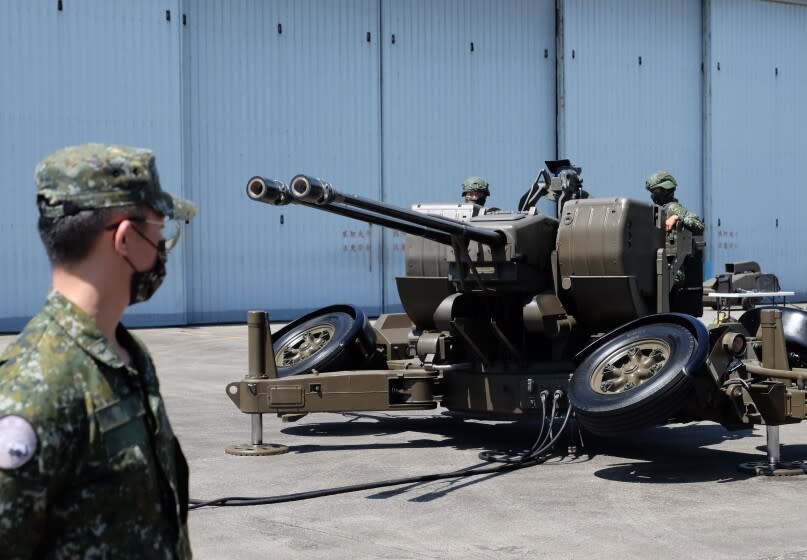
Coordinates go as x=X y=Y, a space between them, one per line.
x=17 y=442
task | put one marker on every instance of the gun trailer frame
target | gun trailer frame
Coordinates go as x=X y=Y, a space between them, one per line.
x=507 y=311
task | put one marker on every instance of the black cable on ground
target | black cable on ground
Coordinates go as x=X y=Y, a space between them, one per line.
x=245 y=501
x=543 y=443
x=512 y=461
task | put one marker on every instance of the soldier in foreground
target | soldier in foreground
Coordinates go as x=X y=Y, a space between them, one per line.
x=89 y=465
x=662 y=190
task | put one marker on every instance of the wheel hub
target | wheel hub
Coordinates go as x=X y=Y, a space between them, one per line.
x=630 y=366
x=304 y=345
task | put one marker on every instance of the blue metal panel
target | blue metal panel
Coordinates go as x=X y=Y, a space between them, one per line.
x=282 y=87
x=468 y=89
x=758 y=78
x=275 y=89
x=96 y=71
x=632 y=98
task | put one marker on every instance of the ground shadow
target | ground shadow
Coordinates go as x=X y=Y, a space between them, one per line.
x=680 y=454
x=673 y=454
x=437 y=431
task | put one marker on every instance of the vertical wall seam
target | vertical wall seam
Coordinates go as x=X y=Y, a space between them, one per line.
x=382 y=276
x=706 y=136
x=184 y=131
x=560 y=82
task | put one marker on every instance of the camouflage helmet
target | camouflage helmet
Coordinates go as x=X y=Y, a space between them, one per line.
x=473 y=184
x=660 y=180
x=93 y=176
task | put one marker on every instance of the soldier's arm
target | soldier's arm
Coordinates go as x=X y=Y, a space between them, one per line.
x=692 y=222
x=677 y=212
x=36 y=453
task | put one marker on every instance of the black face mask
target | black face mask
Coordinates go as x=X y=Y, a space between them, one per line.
x=661 y=196
x=144 y=284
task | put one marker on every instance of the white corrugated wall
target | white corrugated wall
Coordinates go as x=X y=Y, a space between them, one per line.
x=276 y=89
x=94 y=71
x=631 y=95
x=468 y=89
x=758 y=115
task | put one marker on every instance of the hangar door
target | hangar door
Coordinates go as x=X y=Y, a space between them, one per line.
x=61 y=88
x=631 y=98
x=276 y=89
x=468 y=88
x=758 y=118
x=398 y=101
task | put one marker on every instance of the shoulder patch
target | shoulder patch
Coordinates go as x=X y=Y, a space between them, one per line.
x=17 y=442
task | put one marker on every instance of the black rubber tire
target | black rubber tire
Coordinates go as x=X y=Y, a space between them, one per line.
x=346 y=337
x=794 y=325
x=653 y=401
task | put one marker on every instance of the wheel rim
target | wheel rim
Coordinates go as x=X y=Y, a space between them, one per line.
x=304 y=345
x=630 y=366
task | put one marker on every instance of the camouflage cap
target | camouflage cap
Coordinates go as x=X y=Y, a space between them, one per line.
x=92 y=176
x=474 y=184
x=660 y=180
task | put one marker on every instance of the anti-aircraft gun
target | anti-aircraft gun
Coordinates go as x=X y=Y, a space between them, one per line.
x=507 y=310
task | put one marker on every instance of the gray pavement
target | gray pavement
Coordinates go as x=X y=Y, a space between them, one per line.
x=670 y=492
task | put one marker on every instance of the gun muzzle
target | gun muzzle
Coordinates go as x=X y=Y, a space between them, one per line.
x=268 y=191
x=311 y=190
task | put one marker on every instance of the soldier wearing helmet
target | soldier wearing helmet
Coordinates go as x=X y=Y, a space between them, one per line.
x=662 y=190
x=89 y=464
x=475 y=190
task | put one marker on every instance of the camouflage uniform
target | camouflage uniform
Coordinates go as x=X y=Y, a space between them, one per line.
x=688 y=219
x=108 y=478
x=99 y=473
x=662 y=187
x=94 y=176
x=664 y=183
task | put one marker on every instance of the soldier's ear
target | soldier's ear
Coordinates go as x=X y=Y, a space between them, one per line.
x=121 y=236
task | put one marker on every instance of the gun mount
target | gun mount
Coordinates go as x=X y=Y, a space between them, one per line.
x=595 y=307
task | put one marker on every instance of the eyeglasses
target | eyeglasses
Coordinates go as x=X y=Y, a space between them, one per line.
x=169 y=229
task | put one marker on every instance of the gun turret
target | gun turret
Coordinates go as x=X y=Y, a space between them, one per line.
x=598 y=246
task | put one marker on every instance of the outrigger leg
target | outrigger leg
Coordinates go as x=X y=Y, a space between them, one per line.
x=773 y=356
x=261 y=366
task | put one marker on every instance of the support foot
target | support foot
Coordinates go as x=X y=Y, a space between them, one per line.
x=256 y=449
x=781 y=468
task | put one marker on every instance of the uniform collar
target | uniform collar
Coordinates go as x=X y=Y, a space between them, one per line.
x=82 y=329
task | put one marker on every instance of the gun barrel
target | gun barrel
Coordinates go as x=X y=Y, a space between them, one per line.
x=321 y=194
x=386 y=221
x=276 y=193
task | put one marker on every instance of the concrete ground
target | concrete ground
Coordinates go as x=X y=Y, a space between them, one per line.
x=670 y=492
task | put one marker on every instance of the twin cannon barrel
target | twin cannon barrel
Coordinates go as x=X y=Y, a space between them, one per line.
x=308 y=191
